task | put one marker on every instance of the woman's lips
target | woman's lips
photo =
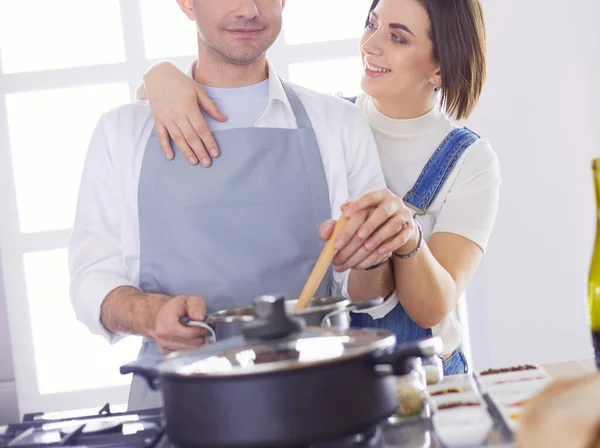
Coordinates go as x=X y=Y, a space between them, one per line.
x=375 y=71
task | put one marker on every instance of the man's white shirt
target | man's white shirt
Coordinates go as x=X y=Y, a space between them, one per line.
x=104 y=251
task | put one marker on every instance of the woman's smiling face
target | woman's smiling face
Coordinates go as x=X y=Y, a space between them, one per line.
x=397 y=51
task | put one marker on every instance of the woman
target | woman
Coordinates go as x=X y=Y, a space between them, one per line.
x=422 y=59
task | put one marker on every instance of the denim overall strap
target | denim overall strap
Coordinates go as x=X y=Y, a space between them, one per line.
x=438 y=169
x=428 y=185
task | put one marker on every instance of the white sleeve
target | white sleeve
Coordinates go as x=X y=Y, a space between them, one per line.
x=96 y=260
x=472 y=202
x=362 y=164
x=363 y=169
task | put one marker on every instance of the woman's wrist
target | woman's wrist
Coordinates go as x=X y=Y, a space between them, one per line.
x=378 y=265
x=412 y=246
x=158 y=72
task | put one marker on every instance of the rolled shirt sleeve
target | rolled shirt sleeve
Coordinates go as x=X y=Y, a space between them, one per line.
x=363 y=170
x=96 y=263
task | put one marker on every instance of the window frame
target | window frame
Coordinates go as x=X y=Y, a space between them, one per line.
x=14 y=244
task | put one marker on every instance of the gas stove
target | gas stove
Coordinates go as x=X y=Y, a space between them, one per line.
x=127 y=430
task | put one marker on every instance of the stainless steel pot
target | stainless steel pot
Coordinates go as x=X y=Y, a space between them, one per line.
x=327 y=312
x=280 y=384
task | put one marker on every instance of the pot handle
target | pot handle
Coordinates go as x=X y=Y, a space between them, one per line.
x=365 y=304
x=185 y=320
x=145 y=370
x=397 y=359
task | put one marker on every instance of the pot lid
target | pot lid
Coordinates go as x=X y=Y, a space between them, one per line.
x=276 y=342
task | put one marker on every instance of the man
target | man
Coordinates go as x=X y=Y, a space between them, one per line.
x=156 y=240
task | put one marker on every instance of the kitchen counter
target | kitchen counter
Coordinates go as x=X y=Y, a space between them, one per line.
x=571 y=368
x=418 y=433
x=414 y=433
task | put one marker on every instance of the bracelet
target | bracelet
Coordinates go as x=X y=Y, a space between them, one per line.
x=378 y=265
x=416 y=249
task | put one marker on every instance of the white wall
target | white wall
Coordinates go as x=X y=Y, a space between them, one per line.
x=540 y=111
x=8 y=393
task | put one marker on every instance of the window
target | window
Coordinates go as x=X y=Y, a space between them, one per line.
x=47 y=131
x=62 y=64
x=310 y=21
x=42 y=35
x=331 y=76
x=167 y=31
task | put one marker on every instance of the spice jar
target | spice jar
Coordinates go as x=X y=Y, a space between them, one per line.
x=410 y=390
x=434 y=369
x=416 y=364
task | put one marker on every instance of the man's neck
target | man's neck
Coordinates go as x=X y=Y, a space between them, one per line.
x=212 y=71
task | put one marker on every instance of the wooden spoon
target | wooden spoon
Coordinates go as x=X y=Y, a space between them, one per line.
x=316 y=276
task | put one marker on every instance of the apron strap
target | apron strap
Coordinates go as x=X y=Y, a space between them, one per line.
x=438 y=169
x=302 y=119
x=312 y=155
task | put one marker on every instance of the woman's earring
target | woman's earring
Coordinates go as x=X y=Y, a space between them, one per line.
x=435 y=89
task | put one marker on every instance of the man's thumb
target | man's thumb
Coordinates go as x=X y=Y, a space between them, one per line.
x=195 y=308
x=326 y=229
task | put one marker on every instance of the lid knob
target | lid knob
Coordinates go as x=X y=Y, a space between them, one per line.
x=272 y=322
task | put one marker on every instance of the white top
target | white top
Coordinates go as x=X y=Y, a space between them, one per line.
x=465 y=206
x=243 y=106
x=104 y=249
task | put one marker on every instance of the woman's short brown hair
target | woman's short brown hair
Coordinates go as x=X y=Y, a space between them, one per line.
x=459 y=47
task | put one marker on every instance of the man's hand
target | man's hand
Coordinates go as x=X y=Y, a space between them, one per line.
x=170 y=334
x=379 y=223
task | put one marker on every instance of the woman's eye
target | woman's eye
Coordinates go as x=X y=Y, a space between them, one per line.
x=398 y=39
x=371 y=25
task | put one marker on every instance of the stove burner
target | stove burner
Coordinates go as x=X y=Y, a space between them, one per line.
x=372 y=438
x=98 y=427
x=143 y=429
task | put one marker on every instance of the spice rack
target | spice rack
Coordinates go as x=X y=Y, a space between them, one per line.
x=465 y=410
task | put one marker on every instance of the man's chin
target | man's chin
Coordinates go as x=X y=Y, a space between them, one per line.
x=245 y=58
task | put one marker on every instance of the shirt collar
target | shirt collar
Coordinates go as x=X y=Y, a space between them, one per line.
x=276 y=91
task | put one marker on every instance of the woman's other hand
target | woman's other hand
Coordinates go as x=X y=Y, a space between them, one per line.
x=382 y=224
x=176 y=101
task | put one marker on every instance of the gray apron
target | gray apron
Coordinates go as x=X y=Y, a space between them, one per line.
x=246 y=226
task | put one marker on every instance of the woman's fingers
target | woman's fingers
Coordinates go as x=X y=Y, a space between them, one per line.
x=208 y=105
x=195 y=142
x=363 y=259
x=372 y=260
x=181 y=143
x=368 y=200
x=384 y=212
x=348 y=242
x=165 y=141
x=399 y=241
x=198 y=123
x=392 y=227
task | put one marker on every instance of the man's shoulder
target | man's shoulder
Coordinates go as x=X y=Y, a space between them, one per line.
x=128 y=125
x=128 y=115
x=126 y=129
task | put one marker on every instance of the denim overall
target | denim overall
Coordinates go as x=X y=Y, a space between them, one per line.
x=247 y=226
x=419 y=198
